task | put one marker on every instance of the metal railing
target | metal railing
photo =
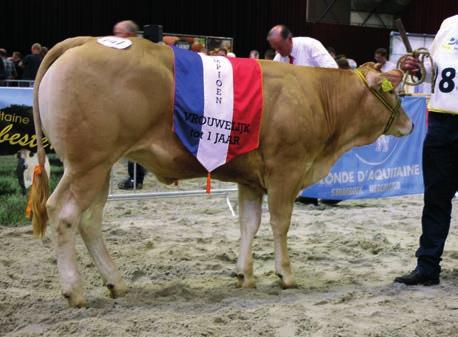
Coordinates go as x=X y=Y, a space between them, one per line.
x=134 y=195
x=16 y=83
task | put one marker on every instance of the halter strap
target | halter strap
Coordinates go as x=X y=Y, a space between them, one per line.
x=393 y=109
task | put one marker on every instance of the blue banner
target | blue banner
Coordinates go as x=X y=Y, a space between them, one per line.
x=17 y=96
x=391 y=166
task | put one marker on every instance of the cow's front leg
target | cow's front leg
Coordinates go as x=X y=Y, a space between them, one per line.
x=250 y=207
x=281 y=200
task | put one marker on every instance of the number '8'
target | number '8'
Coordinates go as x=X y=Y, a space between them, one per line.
x=447 y=84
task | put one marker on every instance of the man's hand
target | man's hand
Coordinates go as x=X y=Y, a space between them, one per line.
x=410 y=63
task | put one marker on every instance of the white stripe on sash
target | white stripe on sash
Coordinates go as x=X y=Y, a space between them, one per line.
x=218 y=108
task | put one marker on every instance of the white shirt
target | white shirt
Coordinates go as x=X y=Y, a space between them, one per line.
x=387 y=66
x=308 y=52
x=444 y=52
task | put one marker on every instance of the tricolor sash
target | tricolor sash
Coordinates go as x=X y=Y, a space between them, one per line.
x=218 y=106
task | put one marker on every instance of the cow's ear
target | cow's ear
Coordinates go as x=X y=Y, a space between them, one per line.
x=394 y=76
x=374 y=79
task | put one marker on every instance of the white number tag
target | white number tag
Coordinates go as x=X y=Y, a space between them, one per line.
x=115 y=42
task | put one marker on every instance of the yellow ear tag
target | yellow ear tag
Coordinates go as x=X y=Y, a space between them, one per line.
x=387 y=85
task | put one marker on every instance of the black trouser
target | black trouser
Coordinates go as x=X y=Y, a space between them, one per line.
x=440 y=175
x=140 y=172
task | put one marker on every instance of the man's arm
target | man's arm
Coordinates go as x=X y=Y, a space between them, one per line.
x=321 y=56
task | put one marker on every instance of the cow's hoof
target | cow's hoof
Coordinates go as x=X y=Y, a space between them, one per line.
x=287 y=282
x=75 y=300
x=244 y=281
x=117 y=290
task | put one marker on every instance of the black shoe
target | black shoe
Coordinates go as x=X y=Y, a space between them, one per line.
x=128 y=184
x=416 y=277
x=307 y=201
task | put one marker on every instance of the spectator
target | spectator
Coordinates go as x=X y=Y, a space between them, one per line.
x=269 y=54
x=226 y=45
x=197 y=47
x=342 y=62
x=44 y=51
x=380 y=56
x=220 y=52
x=254 y=54
x=10 y=70
x=304 y=51
x=352 y=63
x=2 y=72
x=16 y=58
x=31 y=62
x=126 y=29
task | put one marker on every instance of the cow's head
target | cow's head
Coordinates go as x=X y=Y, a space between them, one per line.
x=383 y=87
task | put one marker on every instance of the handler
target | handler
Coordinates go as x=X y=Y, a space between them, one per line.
x=440 y=155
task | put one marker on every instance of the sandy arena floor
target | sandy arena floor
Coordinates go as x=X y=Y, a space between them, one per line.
x=177 y=256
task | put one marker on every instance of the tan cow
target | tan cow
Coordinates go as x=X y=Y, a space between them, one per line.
x=98 y=104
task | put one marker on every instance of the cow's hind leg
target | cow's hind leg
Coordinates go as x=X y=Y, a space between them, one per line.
x=250 y=206
x=64 y=217
x=91 y=232
x=73 y=195
x=281 y=200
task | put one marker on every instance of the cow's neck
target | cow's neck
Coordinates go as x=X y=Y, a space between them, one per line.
x=349 y=111
x=349 y=119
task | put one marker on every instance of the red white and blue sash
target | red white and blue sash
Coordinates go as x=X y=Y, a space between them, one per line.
x=218 y=106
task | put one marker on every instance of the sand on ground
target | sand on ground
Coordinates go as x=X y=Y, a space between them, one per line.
x=177 y=256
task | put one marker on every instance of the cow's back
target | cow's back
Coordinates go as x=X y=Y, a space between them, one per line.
x=107 y=101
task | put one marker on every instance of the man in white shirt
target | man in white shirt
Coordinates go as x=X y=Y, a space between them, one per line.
x=125 y=29
x=380 y=56
x=304 y=51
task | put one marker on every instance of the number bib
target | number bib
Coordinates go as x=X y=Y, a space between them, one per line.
x=445 y=55
x=445 y=96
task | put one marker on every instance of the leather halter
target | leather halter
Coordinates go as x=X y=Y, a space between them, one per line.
x=393 y=109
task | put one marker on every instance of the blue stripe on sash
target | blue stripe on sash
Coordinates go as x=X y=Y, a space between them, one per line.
x=189 y=97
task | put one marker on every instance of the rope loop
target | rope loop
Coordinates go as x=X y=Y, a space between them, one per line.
x=422 y=55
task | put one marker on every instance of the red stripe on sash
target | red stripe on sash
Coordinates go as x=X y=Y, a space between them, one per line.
x=247 y=106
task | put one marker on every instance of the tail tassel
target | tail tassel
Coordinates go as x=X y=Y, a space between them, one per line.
x=36 y=205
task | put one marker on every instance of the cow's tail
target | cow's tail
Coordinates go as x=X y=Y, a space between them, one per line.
x=39 y=192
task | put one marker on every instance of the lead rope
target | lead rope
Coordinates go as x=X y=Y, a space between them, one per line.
x=422 y=55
